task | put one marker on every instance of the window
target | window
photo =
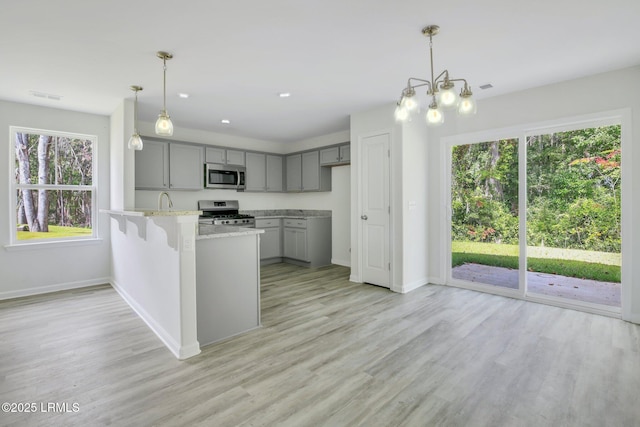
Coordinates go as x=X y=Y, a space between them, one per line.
x=53 y=192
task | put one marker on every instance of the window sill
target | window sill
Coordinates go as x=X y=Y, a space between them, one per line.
x=53 y=244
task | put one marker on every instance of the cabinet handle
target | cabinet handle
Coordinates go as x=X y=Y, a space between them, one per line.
x=364 y=217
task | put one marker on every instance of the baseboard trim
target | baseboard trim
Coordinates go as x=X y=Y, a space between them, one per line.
x=408 y=287
x=341 y=262
x=435 y=280
x=54 y=288
x=180 y=352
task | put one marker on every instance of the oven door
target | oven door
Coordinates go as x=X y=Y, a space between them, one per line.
x=221 y=176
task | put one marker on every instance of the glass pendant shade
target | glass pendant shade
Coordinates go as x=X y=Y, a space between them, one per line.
x=135 y=142
x=401 y=114
x=448 y=98
x=164 y=126
x=467 y=106
x=410 y=103
x=434 y=116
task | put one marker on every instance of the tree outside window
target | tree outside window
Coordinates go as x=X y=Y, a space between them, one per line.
x=53 y=187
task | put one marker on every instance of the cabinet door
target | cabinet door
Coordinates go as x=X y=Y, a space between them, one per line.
x=294 y=172
x=295 y=243
x=235 y=157
x=215 y=155
x=270 y=246
x=274 y=173
x=186 y=168
x=256 y=172
x=310 y=171
x=345 y=153
x=329 y=156
x=152 y=166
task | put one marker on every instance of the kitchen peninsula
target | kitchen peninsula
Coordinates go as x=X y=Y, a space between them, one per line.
x=167 y=273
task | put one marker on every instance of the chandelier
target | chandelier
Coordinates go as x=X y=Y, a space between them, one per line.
x=441 y=90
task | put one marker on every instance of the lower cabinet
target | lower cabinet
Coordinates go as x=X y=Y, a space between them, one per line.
x=300 y=241
x=295 y=243
x=307 y=241
x=270 y=240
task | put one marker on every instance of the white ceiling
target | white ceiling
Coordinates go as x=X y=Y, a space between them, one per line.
x=335 y=57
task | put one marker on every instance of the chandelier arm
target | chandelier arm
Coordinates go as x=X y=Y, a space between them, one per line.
x=423 y=83
x=438 y=79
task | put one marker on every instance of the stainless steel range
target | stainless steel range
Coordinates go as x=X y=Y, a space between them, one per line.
x=223 y=212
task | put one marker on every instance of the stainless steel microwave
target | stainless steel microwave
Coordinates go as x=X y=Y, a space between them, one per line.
x=224 y=176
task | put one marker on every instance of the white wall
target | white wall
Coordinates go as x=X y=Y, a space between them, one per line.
x=585 y=96
x=43 y=269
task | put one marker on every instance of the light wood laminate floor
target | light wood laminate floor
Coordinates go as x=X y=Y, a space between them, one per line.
x=330 y=353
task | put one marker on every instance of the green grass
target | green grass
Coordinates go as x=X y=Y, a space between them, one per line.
x=601 y=266
x=55 y=232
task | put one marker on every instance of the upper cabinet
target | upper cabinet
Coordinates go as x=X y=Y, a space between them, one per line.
x=163 y=165
x=224 y=156
x=185 y=167
x=152 y=166
x=305 y=174
x=264 y=172
x=275 y=173
x=334 y=156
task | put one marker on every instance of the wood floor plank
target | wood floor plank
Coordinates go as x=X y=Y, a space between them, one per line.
x=329 y=353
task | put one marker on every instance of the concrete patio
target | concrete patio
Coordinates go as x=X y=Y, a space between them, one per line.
x=606 y=293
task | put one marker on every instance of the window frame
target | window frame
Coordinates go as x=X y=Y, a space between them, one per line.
x=14 y=187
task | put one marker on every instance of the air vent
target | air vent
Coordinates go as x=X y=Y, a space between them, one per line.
x=45 y=95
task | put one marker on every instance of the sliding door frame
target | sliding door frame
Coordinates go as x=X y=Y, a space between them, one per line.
x=521 y=132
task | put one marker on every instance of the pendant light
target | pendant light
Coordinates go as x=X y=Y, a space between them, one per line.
x=163 y=124
x=440 y=89
x=135 y=142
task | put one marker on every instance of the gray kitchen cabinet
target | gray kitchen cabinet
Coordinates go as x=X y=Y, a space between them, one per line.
x=333 y=156
x=264 y=172
x=307 y=241
x=164 y=165
x=152 y=166
x=185 y=167
x=294 y=172
x=274 y=173
x=305 y=174
x=215 y=155
x=224 y=156
x=295 y=243
x=345 y=153
x=256 y=175
x=270 y=240
x=235 y=157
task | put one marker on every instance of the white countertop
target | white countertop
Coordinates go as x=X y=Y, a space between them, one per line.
x=149 y=212
x=219 y=231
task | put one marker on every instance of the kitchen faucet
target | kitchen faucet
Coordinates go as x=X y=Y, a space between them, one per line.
x=164 y=193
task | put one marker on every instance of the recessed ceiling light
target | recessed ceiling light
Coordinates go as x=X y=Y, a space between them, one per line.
x=284 y=94
x=225 y=121
x=486 y=86
x=183 y=95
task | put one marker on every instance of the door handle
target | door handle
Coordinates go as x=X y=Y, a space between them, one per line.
x=364 y=217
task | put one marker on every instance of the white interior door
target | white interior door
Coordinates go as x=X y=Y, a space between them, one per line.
x=375 y=212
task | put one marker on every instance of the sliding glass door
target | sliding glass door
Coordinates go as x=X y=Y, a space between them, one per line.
x=573 y=214
x=561 y=188
x=484 y=213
